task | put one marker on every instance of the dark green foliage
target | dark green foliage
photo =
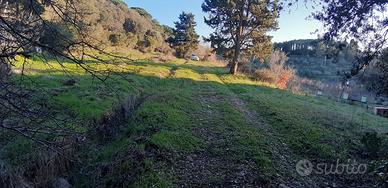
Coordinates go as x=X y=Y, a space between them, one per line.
x=129 y=26
x=241 y=27
x=185 y=39
x=372 y=143
x=361 y=20
x=167 y=30
x=351 y=17
x=114 y=39
x=383 y=73
x=319 y=48
x=57 y=36
x=298 y=47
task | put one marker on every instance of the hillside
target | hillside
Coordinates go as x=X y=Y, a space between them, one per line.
x=111 y=23
x=99 y=94
x=189 y=124
x=314 y=59
x=319 y=68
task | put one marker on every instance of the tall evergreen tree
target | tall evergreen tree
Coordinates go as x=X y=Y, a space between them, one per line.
x=185 y=39
x=241 y=27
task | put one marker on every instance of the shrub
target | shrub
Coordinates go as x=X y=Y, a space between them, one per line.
x=150 y=42
x=164 y=48
x=372 y=143
x=114 y=39
x=273 y=71
x=131 y=40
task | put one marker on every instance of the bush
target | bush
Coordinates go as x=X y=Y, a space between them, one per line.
x=372 y=143
x=149 y=43
x=114 y=39
x=131 y=40
x=164 y=48
x=273 y=71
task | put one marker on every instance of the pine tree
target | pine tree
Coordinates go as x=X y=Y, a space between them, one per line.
x=185 y=39
x=241 y=27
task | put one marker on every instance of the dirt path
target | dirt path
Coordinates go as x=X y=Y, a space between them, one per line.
x=283 y=160
x=211 y=169
x=284 y=163
x=208 y=168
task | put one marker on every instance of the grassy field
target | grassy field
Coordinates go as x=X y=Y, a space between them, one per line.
x=194 y=126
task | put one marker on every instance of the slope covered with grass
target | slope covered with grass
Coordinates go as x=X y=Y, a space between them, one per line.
x=193 y=125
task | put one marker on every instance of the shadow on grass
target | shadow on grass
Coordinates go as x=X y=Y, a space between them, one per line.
x=165 y=125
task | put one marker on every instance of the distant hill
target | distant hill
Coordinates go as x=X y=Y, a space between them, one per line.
x=113 y=22
x=317 y=60
x=319 y=68
x=299 y=47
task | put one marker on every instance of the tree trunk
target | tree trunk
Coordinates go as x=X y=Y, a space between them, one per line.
x=237 y=50
x=234 y=65
x=234 y=68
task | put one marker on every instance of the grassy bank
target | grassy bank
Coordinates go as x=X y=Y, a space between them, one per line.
x=195 y=125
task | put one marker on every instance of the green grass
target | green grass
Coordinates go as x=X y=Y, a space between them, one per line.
x=176 y=141
x=313 y=127
x=188 y=112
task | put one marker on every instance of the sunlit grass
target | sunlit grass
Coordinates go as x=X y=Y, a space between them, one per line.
x=177 y=106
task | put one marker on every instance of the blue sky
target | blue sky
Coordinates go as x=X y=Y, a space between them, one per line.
x=292 y=24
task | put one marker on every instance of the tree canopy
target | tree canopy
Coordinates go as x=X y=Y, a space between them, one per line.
x=185 y=39
x=240 y=28
x=363 y=21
